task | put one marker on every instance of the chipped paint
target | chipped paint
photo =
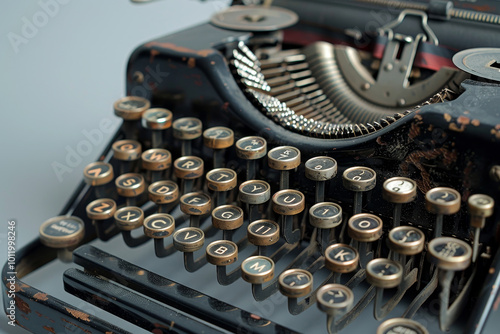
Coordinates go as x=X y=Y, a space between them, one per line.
x=491 y=271
x=78 y=314
x=22 y=305
x=463 y=120
x=191 y=62
x=475 y=122
x=40 y=296
x=152 y=55
x=50 y=329
x=171 y=46
x=454 y=127
x=447 y=117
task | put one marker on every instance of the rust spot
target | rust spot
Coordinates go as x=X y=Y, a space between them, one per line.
x=171 y=46
x=495 y=133
x=380 y=142
x=454 y=127
x=20 y=287
x=50 y=329
x=38 y=314
x=497 y=126
x=475 y=122
x=463 y=120
x=22 y=305
x=191 y=62
x=212 y=62
x=78 y=314
x=447 y=117
x=153 y=54
x=41 y=296
x=497 y=303
x=141 y=272
x=491 y=271
x=255 y=316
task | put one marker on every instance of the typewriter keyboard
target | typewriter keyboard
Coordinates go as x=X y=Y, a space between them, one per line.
x=199 y=230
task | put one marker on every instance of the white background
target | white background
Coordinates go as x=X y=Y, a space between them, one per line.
x=61 y=80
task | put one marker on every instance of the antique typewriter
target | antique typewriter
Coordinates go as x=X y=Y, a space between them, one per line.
x=311 y=166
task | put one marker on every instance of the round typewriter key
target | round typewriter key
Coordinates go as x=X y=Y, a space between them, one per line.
x=255 y=192
x=188 y=167
x=401 y=325
x=288 y=202
x=325 y=215
x=127 y=150
x=159 y=225
x=227 y=217
x=442 y=201
x=406 y=240
x=480 y=205
x=263 y=232
x=384 y=273
x=101 y=209
x=284 y=158
x=359 y=179
x=365 y=227
x=98 y=173
x=156 y=159
x=162 y=193
x=196 y=204
x=321 y=168
x=129 y=218
x=130 y=185
x=131 y=108
x=257 y=269
x=399 y=190
x=157 y=119
x=251 y=148
x=334 y=299
x=450 y=253
x=222 y=252
x=62 y=232
x=189 y=239
x=341 y=258
x=187 y=128
x=221 y=179
x=218 y=137
x=295 y=283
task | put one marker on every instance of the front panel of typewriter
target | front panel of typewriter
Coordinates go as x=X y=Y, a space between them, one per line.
x=292 y=175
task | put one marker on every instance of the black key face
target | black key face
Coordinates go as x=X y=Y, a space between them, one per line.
x=63 y=227
x=221 y=176
x=97 y=170
x=160 y=222
x=188 y=235
x=130 y=182
x=221 y=249
x=288 y=198
x=296 y=279
x=157 y=155
x=406 y=235
x=320 y=163
x=131 y=104
x=196 y=199
x=342 y=254
x=251 y=143
x=191 y=163
x=385 y=269
x=449 y=249
x=164 y=187
x=284 y=153
x=263 y=228
x=334 y=296
x=326 y=211
x=218 y=133
x=360 y=174
x=227 y=213
x=104 y=206
x=365 y=223
x=443 y=196
x=257 y=266
x=130 y=214
x=255 y=187
x=187 y=124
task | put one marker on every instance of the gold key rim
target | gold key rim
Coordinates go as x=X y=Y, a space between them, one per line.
x=365 y=235
x=454 y=263
x=156 y=159
x=131 y=114
x=106 y=209
x=325 y=222
x=153 y=123
x=126 y=149
x=189 y=245
x=263 y=239
x=260 y=277
x=384 y=281
x=153 y=230
x=401 y=322
x=295 y=291
x=313 y=173
x=288 y=209
x=355 y=184
x=126 y=189
x=171 y=194
x=222 y=185
x=393 y=195
x=232 y=222
x=129 y=224
x=213 y=142
x=248 y=152
x=334 y=308
x=182 y=132
x=337 y=266
x=194 y=208
x=68 y=240
x=93 y=176
x=182 y=170
x=222 y=259
x=441 y=207
x=283 y=163
x=407 y=248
